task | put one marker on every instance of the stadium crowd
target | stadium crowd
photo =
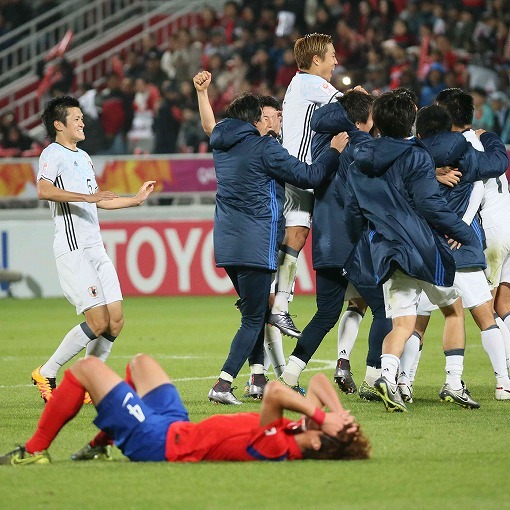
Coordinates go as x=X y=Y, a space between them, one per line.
x=147 y=103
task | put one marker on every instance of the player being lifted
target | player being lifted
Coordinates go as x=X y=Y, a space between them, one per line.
x=308 y=90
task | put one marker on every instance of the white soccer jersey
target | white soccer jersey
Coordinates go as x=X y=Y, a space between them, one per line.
x=495 y=205
x=76 y=223
x=305 y=93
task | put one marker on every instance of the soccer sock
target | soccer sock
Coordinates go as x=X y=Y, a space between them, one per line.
x=372 y=374
x=102 y=439
x=492 y=342
x=414 y=368
x=64 y=404
x=389 y=367
x=256 y=369
x=226 y=377
x=274 y=349
x=101 y=346
x=293 y=370
x=348 y=328
x=286 y=277
x=76 y=340
x=128 y=377
x=454 y=367
x=411 y=349
x=505 y=331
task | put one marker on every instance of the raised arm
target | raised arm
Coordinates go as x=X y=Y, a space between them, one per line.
x=202 y=81
x=278 y=398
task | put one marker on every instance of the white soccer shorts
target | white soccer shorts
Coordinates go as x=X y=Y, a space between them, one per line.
x=298 y=207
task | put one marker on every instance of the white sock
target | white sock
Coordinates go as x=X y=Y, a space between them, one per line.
x=372 y=374
x=286 y=277
x=504 y=326
x=76 y=340
x=454 y=368
x=293 y=370
x=492 y=342
x=411 y=350
x=273 y=349
x=348 y=328
x=226 y=377
x=256 y=369
x=100 y=347
x=414 y=368
x=389 y=367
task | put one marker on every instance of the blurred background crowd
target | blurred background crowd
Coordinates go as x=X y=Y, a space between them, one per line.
x=147 y=103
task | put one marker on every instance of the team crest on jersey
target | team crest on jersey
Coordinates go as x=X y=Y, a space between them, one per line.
x=93 y=291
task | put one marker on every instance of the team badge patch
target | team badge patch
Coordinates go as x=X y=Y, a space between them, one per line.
x=93 y=291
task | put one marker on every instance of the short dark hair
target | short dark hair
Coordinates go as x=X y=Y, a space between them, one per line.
x=246 y=107
x=269 y=101
x=56 y=109
x=358 y=105
x=431 y=120
x=394 y=113
x=343 y=446
x=459 y=104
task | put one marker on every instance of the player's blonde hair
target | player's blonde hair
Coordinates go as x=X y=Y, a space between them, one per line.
x=310 y=45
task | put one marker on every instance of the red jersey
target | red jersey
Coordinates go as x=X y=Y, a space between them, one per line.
x=231 y=437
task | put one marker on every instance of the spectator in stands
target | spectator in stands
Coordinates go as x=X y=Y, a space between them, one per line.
x=152 y=72
x=145 y=106
x=132 y=66
x=17 y=143
x=167 y=121
x=89 y=104
x=190 y=134
x=217 y=45
x=434 y=83
x=500 y=105
x=287 y=70
x=16 y=12
x=116 y=115
x=261 y=69
x=483 y=117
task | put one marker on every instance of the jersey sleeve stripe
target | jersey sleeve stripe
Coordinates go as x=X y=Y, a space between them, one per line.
x=307 y=134
x=257 y=455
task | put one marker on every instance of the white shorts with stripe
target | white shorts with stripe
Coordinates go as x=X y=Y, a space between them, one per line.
x=88 y=278
x=298 y=207
x=402 y=294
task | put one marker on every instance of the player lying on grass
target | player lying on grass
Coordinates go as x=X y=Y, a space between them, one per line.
x=148 y=422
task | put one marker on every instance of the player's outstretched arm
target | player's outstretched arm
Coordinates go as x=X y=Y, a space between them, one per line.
x=201 y=81
x=122 y=202
x=46 y=190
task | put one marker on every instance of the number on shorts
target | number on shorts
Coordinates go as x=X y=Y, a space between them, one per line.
x=500 y=186
x=136 y=411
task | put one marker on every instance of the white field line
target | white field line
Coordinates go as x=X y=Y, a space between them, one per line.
x=325 y=365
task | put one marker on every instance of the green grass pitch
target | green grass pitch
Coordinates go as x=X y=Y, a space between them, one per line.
x=436 y=456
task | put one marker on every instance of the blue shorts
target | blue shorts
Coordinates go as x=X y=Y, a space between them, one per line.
x=139 y=426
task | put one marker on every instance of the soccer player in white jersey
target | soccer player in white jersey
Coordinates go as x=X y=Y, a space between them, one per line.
x=87 y=275
x=308 y=90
